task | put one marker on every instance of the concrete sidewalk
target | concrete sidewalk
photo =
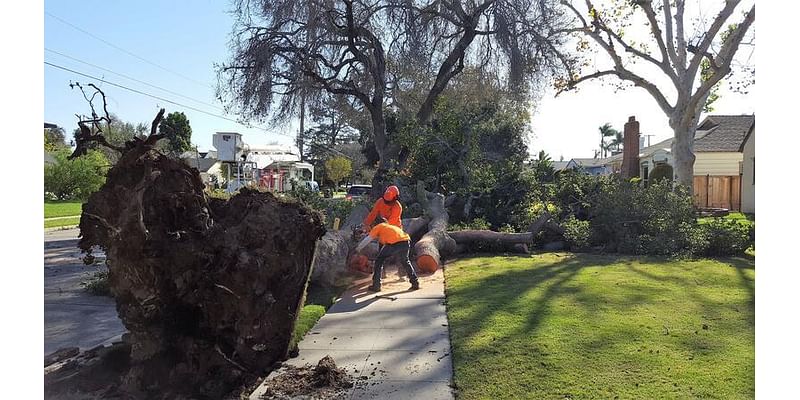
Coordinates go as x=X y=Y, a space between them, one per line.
x=397 y=345
x=72 y=317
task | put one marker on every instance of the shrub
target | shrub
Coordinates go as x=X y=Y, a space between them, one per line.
x=577 y=233
x=660 y=172
x=309 y=197
x=98 y=284
x=77 y=178
x=727 y=237
x=475 y=224
x=339 y=208
x=218 y=194
x=507 y=229
x=573 y=193
x=656 y=219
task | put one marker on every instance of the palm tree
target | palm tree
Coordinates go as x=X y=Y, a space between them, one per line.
x=608 y=131
x=544 y=167
x=616 y=142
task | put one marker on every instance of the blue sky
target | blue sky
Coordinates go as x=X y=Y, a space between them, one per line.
x=190 y=36
x=183 y=36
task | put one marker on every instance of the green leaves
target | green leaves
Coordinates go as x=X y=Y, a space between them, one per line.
x=338 y=168
x=178 y=132
x=75 y=179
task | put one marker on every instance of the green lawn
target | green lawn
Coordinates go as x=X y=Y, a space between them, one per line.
x=62 y=208
x=309 y=315
x=55 y=223
x=557 y=325
x=318 y=299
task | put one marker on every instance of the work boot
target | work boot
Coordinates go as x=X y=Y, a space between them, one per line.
x=415 y=285
x=373 y=288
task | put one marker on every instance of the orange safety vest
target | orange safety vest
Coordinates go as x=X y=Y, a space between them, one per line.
x=388 y=234
x=391 y=211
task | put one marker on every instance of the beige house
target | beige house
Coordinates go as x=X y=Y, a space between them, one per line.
x=721 y=162
x=749 y=173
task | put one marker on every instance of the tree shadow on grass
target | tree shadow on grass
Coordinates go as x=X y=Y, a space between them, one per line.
x=508 y=287
x=502 y=292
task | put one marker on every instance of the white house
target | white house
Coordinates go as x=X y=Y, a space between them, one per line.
x=278 y=166
x=207 y=164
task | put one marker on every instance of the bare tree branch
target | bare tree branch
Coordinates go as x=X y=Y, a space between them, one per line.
x=700 y=49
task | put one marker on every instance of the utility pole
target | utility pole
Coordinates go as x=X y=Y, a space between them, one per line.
x=648 y=139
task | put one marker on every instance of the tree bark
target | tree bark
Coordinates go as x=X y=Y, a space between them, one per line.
x=333 y=250
x=486 y=236
x=414 y=226
x=513 y=242
x=683 y=150
x=436 y=243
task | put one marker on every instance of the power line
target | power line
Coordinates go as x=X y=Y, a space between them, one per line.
x=183 y=105
x=131 y=78
x=126 y=51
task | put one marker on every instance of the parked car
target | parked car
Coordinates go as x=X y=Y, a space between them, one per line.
x=358 y=191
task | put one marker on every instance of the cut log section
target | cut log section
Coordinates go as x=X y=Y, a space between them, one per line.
x=436 y=243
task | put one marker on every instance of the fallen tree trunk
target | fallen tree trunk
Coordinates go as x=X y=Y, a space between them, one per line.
x=486 y=240
x=331 y=261
x=436 y=243
x=416 y=226
x=486 y=236
x=208 y=289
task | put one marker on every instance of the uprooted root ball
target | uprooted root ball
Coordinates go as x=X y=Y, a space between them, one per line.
x=208 y=289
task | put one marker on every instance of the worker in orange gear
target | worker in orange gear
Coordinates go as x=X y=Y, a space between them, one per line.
x=394 y=242
x=388 y=207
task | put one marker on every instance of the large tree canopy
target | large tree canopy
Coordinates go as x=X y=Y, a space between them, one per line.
x=177 y=132
x=678 y=63
x=398 y=54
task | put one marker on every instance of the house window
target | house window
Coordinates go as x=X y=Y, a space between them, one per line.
x=754 y=171
x=645 y=172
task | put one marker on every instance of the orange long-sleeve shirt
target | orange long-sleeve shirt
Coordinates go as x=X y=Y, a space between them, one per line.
x=391 y=212
x=388 y=234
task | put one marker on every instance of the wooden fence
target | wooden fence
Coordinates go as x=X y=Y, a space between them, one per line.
x=718 y=192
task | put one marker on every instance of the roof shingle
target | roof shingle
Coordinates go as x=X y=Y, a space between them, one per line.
x=727 y=132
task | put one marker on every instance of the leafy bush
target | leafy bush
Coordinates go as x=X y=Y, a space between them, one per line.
x=98 y=284
x=660 y=172
x=727 y=237
x=507 y=229
x=309 y=197
x=218 y=194
x=573 y=192
x=475 y=224
x=339 y=208
x=74 y=179
x=634 y=219
x=577 y=233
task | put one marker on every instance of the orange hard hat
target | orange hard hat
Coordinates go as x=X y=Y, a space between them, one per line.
x=391 y=193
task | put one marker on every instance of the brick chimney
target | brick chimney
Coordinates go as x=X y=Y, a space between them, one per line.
x=630 y=153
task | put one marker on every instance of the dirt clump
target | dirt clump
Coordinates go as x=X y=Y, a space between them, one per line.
x=320 y=382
